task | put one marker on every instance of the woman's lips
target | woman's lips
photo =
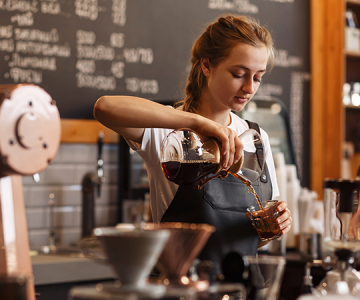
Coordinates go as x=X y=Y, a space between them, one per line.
x=242 y=99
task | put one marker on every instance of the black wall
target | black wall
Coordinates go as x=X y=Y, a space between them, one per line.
x=82 y=49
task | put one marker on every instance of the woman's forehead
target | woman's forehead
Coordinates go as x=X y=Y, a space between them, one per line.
x=248 y=57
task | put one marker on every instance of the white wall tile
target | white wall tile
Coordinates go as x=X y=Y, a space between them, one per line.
x=63 y=216
x=84 y=169
x=38 y=195
x=63 y=178
x=110 y=153
x=76 y=153
x=108 y=195
x=60 y=174
x=70 y=195
x=69 y=236
x=110 y=174
x=36 y=218
x=38 y=238
x=105 y=215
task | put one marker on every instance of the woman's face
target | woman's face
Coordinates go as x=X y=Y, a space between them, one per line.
x=235 y=80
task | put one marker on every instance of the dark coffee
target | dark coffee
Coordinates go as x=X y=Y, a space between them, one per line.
x=264 y=221
x=187 y=172
x=269 y=229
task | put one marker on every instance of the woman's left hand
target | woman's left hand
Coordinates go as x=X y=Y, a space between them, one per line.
x=285 y=219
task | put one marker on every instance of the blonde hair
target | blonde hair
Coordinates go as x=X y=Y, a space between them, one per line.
x=215 y=44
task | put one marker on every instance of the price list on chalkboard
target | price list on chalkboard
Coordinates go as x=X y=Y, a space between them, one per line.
x=79 y=50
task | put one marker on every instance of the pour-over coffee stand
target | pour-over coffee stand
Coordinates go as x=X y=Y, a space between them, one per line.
x=133 y=252
x=342 y=236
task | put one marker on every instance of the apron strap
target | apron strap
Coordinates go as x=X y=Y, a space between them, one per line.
x=259 y=149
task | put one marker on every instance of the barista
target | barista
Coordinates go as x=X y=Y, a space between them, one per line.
x=228 y=62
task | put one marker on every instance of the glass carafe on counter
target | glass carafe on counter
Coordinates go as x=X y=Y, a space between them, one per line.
x=341 y=235
x=188 y=158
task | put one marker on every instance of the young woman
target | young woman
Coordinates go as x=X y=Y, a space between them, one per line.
x=228 y=62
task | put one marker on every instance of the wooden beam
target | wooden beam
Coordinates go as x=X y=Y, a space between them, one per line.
x=85 y=131
x=317 y=38
x=327 y=78
x=335 y=62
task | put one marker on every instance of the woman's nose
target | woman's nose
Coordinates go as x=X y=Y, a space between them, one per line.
x=248 y=87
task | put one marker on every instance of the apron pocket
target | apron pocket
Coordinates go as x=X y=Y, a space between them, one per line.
x=229 y=194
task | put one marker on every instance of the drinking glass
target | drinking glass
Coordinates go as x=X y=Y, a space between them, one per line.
x=265 y=273
x=263 y=217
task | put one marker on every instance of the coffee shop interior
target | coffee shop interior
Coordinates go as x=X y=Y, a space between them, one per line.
x=75 y=215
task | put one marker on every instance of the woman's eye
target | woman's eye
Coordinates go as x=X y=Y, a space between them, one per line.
x=257 y=79
x=236 y=76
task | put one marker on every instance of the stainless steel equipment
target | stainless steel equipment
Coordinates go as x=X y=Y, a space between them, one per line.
x=342 y=236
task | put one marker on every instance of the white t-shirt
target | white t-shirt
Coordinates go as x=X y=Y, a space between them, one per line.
x=162 y=191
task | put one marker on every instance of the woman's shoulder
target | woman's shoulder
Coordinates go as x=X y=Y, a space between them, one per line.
x=239 y=124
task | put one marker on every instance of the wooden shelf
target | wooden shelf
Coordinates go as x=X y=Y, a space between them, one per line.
x=353 y=2
x=85 y=131
x=352 y=53
x=352 y=106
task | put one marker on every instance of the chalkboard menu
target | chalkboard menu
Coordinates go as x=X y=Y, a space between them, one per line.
x=80 y=50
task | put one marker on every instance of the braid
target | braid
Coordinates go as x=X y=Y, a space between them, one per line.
x=193 y=88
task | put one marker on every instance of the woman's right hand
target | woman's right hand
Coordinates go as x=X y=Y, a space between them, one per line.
x=231 y=145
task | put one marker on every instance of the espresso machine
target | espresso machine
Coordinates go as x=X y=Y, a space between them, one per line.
x=30 y=131
x=342 y=237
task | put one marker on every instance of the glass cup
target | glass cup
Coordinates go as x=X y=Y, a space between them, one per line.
x=264 y=219
x=265 y=274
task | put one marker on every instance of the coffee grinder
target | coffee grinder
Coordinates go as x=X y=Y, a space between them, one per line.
x=342 y=236
x=29 y=139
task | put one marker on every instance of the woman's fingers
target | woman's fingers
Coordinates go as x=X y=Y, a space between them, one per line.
x=225 y=146
x=232 y=136
x=231 y=146
x=231 y=149
x=239 y=147
x=282 y=206
x=285 y=219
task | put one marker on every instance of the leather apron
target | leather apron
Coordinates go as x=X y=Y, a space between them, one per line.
x=222 y=203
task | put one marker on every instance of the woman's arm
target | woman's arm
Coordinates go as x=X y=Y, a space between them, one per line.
x=129 y=116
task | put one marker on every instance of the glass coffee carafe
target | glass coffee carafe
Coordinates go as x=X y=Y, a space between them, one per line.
x=188 y=158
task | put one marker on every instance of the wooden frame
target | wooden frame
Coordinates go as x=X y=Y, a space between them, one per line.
x=85 y=131
x=327 y=72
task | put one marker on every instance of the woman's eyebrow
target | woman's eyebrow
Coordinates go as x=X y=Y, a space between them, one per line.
x=247 y=69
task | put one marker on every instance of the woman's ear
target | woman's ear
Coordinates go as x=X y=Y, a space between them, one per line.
x=205 y=66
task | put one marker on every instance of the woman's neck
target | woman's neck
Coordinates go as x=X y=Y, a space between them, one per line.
x=216 y=114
